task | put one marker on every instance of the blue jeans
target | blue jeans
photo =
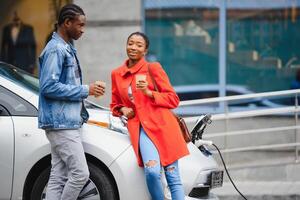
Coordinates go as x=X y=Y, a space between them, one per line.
x=152 y=169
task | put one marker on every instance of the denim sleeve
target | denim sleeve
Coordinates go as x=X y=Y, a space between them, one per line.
x=51 y=69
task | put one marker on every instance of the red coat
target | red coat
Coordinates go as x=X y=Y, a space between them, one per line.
x=153 y=114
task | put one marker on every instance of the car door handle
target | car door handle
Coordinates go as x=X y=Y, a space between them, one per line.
x=26 y=135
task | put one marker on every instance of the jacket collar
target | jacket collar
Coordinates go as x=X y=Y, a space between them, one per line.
x=68 y=45
x=132 y=70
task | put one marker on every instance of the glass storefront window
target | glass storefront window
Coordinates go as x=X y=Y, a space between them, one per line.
x=184 y=39
x=263 y=52
x=262 y=40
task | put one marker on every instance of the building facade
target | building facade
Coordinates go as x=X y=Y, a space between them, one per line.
x=252 y=44
x=260 y=46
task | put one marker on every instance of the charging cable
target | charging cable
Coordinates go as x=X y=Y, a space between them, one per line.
x=200 y=142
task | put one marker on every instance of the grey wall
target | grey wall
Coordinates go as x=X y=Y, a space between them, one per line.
x=102 y=47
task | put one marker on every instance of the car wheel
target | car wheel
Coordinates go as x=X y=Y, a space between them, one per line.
x=98 y=187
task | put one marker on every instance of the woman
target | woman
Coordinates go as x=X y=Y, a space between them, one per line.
x=154 y=131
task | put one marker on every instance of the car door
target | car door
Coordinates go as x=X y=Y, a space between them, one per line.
x=6 y=150
x=12 y=108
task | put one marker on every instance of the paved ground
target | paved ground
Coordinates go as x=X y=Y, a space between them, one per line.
x=260 y=190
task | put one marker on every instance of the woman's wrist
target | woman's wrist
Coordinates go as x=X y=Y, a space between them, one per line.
x=120 y=110
x=149 y=93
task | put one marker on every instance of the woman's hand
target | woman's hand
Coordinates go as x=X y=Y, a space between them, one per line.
x=127 y=112
x=143 y=86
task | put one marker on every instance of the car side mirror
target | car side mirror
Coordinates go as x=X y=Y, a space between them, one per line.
x=200 y=125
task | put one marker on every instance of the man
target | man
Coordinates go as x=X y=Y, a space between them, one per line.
x=61 y=108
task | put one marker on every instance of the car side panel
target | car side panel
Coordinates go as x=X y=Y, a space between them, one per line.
x=104 y=144
x=6 y=156
x=195 y=167
x=129 y=177
x=31 y=145
x=194 y=170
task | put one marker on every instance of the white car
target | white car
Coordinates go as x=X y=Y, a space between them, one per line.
x=114 y=173
x=202 y=91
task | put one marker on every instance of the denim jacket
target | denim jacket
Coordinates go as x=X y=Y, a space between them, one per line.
x=61 y=91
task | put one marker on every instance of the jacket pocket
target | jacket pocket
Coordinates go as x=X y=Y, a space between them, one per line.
x=70 y=70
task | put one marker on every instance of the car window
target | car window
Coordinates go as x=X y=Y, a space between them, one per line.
x=3 y=111
x=15 y=105
x=19 y=77
x=184 y=96
x=290 y=100
x=210 y=94
x=232 y=93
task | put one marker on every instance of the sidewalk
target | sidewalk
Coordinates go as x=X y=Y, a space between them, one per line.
x=260 y=190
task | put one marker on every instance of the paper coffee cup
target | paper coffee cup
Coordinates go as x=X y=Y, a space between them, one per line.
x=101 y=83
x=140 y=77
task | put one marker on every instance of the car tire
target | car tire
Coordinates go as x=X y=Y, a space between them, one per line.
x=103 y=183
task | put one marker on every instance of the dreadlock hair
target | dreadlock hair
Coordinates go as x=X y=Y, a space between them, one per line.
x=69 y=11
x=143 y=35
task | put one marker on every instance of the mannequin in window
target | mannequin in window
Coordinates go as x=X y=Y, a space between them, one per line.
x=18 y=45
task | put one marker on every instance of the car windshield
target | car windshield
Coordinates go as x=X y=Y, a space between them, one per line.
x=19 y=77
x=31 y=82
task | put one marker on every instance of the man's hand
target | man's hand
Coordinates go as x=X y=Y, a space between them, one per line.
x=96 y=89
x=127 y=112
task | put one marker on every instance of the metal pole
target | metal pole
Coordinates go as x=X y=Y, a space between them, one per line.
x=143 y=16
x=222 y=51
x=297 y=130
x=222 y=64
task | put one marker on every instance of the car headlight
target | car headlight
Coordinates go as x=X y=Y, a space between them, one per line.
x=98 y=123
x=115 y=124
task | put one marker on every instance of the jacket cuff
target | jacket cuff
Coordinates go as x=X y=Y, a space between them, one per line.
x=155 y=98
x=116 y=110
x=85 y=91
